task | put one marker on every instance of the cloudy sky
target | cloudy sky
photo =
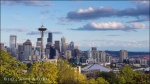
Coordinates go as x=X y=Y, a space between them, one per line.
x=107 y=25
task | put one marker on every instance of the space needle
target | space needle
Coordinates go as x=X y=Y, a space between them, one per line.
x=42 y=29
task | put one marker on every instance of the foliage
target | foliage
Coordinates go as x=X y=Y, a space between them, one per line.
x=109 y=76
x=11 y=70
x=67 y=74
x=43 y=72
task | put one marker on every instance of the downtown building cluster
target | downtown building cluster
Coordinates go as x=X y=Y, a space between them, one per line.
x=26 y=52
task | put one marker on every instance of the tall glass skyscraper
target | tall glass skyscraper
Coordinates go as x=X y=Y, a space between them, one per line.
x=13 y=41
x=63 y=45
x=13 y=45
x=50 y=38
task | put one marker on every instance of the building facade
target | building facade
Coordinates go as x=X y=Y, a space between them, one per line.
x=27 y=46
x=123 y=55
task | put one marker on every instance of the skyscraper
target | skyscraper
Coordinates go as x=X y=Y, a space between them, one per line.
x=63 y=45
x=102 y=55
x=50 y=38
x=27 y=47
x=123 y=55
x=52 y=53
x=13 y=45
x=13 y=41
x=20 y=52
x=57 y=46
x=71 y=45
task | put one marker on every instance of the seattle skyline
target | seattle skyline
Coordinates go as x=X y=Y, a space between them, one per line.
x=107 y=25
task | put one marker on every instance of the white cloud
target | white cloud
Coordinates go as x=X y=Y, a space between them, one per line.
x=101 y=26
x=138 y=25
x=108 y=25
x=90 y=9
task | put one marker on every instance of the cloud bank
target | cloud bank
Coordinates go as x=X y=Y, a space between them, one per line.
x=141 y=9
x=14 y=29
x=26 y=3
x=112 y=26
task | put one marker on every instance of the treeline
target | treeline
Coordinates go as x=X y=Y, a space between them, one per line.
x=15 y=72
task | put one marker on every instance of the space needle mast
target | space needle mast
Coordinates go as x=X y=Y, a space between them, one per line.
x=42 y=29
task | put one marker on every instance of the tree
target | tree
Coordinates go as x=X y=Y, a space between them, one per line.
x=92 y=81
x=66 y=73
x=42 y=72
x=101 y=80
x=11 y=69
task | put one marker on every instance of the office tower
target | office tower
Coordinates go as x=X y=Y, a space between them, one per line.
x=27 y=47
x=68 y=54
x=143 y=61
x=75 y=52
x=47 y=50
x=95 y=54
x=13 y=45
x=13 y=41
x=108 y=58
x=57 y=46
x=102 y=56
x=50 y=38
x=2 y=46
x=71 y=45
x=42 y=29
x=52 y=53
x=123 y=55
x=63 y=45
x=20 y=52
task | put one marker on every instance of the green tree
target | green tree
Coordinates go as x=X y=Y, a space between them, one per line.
x=101 y=80
x=111 y=77
x=11 y=69
x=42 y=72
x=65 y=72
x=92 y=81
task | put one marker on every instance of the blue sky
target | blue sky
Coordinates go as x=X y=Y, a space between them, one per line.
x=107 y=25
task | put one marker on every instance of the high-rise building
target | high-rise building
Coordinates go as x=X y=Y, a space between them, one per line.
x=52 y=53
x=102 y=55
x=13 y=45
x=50 y=38
x=57 y=46
x=123 y=55
x=20 y=52
x=71 y=45
x=68 y=54
x=27 y=46
x=47 y=50
x=108 y=58
x=2 y=46
x=63 y=45
x=13 y=41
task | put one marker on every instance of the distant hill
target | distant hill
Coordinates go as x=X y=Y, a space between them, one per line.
x=130 y=53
